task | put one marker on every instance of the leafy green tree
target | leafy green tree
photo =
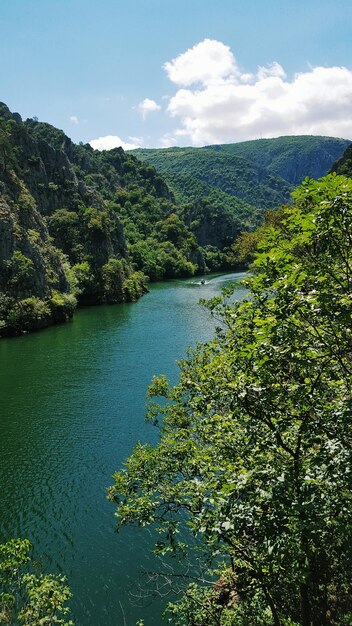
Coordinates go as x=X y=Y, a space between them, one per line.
x=173 y=229
x=82 y=278
x=20 y=270
x=64 y=228
x=26 y=597
x=245 y=247
x=25 y=314
x=113 y=275
x=255 y=443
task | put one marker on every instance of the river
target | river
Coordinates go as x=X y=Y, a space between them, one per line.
x=72 y=404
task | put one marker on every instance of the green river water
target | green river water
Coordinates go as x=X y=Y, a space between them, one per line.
x=72 y=404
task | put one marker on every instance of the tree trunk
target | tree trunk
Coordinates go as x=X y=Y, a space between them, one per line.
x=305 y=606
x=274 y=612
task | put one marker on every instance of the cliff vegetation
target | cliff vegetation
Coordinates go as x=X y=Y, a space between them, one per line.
x=80 y=226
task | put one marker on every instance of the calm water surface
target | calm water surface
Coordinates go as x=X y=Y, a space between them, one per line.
x=72 y=404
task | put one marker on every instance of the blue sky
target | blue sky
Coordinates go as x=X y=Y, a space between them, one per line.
x=88 y=66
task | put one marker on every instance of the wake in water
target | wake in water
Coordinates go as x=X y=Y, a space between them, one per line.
x=218 y=278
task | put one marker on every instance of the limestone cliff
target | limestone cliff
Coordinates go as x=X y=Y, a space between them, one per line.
x=59 y=240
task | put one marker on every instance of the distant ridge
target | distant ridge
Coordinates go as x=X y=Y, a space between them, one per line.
x=261 y=172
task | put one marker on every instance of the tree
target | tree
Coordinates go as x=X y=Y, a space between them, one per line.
x=245 y=246
x=20 y=271
x=27 y=598
x=255 y=442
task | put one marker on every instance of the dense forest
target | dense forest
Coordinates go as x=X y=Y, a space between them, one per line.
x=344 y=164
x=82 y=226
x=252 y=473
x=260 y=173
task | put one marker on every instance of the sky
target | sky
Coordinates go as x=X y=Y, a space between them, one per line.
x=158 y=73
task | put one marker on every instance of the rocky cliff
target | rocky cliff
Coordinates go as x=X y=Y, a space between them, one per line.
x=59 y=239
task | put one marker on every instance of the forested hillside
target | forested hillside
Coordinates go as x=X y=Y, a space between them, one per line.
x=261 y=173
x=77 y=224
x=254 y=450
x=292 y=158
x=344 y=164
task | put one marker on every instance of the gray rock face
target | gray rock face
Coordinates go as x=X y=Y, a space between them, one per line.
x=7 y=242
x=314 y=162
x=25 y=233
x=37 y=180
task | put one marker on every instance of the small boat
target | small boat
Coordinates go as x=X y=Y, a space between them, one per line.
x=202 y=282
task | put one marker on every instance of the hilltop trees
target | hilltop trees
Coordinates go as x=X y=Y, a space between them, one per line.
x=254 y=456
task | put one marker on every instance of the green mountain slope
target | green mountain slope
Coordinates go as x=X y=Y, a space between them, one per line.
x=291 y=158
x=195 y=172
x=261 y=173
x=344 y=164
x=77 y=224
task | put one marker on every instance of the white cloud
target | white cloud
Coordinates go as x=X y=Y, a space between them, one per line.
x=148 y=106
x=223 y=103
x=206 y=62
x=273 y=69
x=111 y=141
x=74 y=119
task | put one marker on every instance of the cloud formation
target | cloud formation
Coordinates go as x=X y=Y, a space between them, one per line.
x=208 y=61
x=108 y=142
x=148 y=106
x=74 y=119
x=222 y=103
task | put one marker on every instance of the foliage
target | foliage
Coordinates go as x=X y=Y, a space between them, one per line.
x=159 y=242
x=64 y=228
x=261 y=173
x=113 y=274
x=27 y=313
x=62 y=305
x=225 y=189
x=26 y=597
x=80 y=225
x=134 y=286
x=344 y=164
x=254 y=456
x=292 y=157
x=245 y=247
x=70 y=209
x=196 y=172
x=19 y=270
x=133 y=193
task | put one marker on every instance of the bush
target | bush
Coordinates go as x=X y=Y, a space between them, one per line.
x=28 y=314
x=62 y=305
